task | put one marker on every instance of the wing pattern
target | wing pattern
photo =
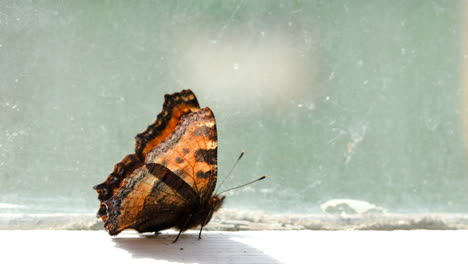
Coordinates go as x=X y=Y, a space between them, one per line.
x=175 y=106
x=179 y=176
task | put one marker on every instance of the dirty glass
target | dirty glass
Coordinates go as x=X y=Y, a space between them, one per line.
x=351 y=107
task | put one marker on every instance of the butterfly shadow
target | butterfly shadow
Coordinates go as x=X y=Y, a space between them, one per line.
x=214 y=247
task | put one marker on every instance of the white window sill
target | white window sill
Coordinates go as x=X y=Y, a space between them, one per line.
x=421 y=246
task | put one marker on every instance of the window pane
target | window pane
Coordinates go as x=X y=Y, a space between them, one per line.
x=360 y=101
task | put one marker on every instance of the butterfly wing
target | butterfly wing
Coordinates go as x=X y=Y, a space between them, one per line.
x=113 y=182
x=180 y=173
x=175 y=106
x=191 y=152
x=151 y=199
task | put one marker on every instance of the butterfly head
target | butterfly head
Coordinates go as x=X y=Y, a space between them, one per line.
x=216 y=201
x=212 y=205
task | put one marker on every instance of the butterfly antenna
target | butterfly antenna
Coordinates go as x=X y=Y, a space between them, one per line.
x=259 y=179
x=230 y=172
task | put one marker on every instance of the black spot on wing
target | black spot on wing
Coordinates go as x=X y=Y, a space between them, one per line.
x=205 y=175
x=207 y=155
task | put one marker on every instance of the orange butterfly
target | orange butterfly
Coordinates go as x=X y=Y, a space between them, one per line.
x=169 y=181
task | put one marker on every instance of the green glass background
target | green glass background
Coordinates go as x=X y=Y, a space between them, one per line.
x=331 y=99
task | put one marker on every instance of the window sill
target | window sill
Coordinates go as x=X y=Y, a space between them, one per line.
x=421 y=246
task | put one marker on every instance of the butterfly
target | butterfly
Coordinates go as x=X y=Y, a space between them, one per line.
x=170 y=179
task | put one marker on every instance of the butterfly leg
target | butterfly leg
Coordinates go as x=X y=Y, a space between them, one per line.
x=204 y=223
x=182 y=229
x=178 y=235
x=199 y=234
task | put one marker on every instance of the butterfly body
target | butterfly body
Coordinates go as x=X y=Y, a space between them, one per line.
x=169 y=181
x=199 y=215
